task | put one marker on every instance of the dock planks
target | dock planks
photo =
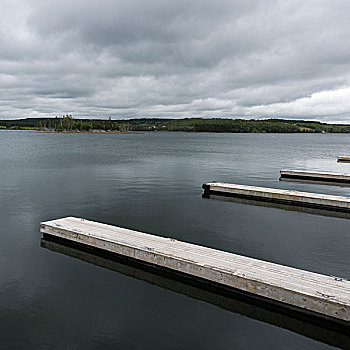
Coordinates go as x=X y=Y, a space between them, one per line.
x=324 y=295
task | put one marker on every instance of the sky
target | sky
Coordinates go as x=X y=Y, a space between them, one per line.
x=175 y=58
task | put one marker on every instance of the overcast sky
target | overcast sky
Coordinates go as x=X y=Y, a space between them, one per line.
x=176 y=58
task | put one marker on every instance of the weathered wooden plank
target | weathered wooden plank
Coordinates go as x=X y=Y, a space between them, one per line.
x=325 y=295
x=309 y=199
x=315 y=175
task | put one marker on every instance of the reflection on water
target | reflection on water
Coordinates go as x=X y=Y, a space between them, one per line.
x=328 y=332
x=151 y=182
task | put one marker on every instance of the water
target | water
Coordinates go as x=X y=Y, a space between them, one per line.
x=152 y=183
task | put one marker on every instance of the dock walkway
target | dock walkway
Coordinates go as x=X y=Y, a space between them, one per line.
x=315 y=175
x=324 y=295
x=309 y=199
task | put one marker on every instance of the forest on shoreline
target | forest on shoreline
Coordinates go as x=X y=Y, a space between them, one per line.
x=69 y=124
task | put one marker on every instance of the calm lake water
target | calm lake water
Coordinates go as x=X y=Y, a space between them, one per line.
x=152 y=183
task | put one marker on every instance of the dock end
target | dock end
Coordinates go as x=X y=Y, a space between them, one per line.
x=206 y=187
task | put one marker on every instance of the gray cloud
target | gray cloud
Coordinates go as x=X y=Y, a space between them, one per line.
x=175 y=58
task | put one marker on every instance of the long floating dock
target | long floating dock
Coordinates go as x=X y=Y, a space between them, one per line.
x=281 y=206
x=315 y=175
x=343 y=159
x=296 y=289
x=328 y=332
x=308 y=199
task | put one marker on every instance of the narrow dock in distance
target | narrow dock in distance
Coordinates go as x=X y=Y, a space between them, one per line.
x=344 y=159
x=308 y=199
x=315 y=175
x=313 y=293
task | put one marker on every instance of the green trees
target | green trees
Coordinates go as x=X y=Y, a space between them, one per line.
x=233 y=125
x=68 y=123
x=212 y=125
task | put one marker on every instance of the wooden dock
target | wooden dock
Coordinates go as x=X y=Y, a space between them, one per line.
x=336 y=334
x=308 y=199
x=280 y=206
x=296 y=289
x=315 y=176
x=344 y=159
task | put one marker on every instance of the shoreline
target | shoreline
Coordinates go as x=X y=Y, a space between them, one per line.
x=162 y=131
x=70 y=131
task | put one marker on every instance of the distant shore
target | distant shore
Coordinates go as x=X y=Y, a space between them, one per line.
x=70 y=131
x=215 y=125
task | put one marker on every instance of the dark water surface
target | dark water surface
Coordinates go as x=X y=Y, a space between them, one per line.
x=152 y=183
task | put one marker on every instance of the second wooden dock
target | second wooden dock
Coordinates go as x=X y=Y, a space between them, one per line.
x=344 y=159
x=315 y=176
x=315 y=200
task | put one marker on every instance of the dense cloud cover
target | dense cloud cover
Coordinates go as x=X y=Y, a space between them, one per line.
x=166 y=58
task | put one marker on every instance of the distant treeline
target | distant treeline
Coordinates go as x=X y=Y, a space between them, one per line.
x=68 y=123
x=65 y=123
x=233 y=125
